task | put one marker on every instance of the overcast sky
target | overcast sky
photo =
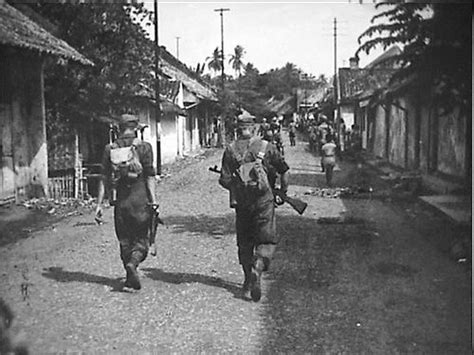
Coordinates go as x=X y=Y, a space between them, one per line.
x=272 y=33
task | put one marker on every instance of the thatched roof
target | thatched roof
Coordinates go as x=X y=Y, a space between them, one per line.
x=174 y=68
x=19 y=31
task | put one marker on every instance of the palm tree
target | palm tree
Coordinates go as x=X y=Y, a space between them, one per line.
x=237 y=65
x=236 y=59
x=215 y=61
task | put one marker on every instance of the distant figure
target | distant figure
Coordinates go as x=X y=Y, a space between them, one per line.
x=292 y=133
x=264 y=128
x=328 y=160
x=342 y=135
x=313 y=137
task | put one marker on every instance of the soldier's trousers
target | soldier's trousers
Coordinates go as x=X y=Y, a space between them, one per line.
x=132 y=236
x=256 y=232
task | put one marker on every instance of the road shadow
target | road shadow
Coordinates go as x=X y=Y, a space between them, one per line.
x=18 y=222
x=60 y=275
x=303 y=300
x=178 y=278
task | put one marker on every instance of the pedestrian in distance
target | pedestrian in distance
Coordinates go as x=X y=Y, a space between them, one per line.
x=250 y=167
x=328 y=161
x=292 y=133
x=264 y=127
x=276 y=135
x=312 y=137
x=128 y=172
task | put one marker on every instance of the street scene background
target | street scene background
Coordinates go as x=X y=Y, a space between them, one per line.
x=380 y=261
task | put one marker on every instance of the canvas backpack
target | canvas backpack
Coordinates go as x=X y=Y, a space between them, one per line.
x=252 y=173
x=125 y=162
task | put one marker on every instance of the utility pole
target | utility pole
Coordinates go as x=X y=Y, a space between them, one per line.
x=336 y=91
x=177 y=47
x=157 y=93
x=221 y=11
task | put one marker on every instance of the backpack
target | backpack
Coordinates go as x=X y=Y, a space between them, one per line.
x=125 y=162
x=252 y=173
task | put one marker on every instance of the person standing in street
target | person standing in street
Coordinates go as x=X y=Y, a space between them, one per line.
x=264 y=128
x=292 y=133
x=328 y=152
x=127 y=169
x=255 y=208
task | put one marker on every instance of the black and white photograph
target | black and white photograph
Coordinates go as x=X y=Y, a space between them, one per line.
x=236 y=177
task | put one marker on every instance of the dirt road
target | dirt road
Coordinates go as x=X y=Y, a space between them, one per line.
x=350 y=276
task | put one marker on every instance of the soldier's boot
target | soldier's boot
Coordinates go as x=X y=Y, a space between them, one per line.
x=255 y=276
x=246 y=285
x=133 y=281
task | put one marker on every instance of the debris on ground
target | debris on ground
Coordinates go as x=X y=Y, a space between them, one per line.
x=64 y=207
x=339 y=192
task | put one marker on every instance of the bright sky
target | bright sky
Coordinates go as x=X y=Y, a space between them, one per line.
x=272 y=33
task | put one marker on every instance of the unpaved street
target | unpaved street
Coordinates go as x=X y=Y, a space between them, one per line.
x=350 y=276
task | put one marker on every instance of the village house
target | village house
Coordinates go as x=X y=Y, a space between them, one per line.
x=402 y=125
x=24 y=48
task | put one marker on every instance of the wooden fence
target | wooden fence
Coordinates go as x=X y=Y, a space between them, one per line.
x=67 y=186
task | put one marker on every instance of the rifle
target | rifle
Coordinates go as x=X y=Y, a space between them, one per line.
x=232 y=199
x=155 y=220
x=298 y=205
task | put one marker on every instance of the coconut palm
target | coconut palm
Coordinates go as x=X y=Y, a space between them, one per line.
x=236 y=59
x=215 y=61
x=237 y=65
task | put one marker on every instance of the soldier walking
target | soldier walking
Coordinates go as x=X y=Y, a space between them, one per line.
x=255 y=208
x=127 y=169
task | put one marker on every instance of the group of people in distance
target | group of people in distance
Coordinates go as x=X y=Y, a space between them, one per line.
x=271 y=132
x=322 y=141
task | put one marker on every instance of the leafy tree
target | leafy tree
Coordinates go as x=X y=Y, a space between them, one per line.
x=111 y=36
x=436 y=47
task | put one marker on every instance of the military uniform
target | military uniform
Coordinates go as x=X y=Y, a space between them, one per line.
x=255 y=217
x=131 y=214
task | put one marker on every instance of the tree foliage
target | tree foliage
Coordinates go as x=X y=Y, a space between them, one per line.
x=436 y=46
x=110 y=35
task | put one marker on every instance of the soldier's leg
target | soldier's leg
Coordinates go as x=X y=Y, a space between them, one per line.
x=329 y=170
x=139 y=252
x=245 y=245
x=122 y=236
x=265 y=246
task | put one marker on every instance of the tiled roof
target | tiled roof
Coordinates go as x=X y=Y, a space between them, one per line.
x=391 y=52
x=362 y=83
x=311 y=96
x=17 y=30
x=177 y=70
